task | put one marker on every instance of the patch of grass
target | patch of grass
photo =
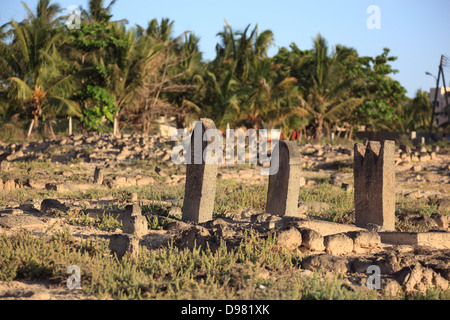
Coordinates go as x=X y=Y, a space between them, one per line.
x=232 y=196
x=154 y=223
x=340 y=201
x=105 y=222
x=24 y=195
x=170 y=273
x=420 y=207
x=80 y=219
x=108 y=223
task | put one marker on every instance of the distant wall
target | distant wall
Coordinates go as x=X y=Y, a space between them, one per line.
x=386 y=135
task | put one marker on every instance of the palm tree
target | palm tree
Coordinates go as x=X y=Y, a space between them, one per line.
x=222 y=98
x=37 y=80
x=46 y=11
x=162 y=31
x=270 y=98
x=186 y=77
x=129 y=64
x=415 y=114
x=238 y=50
x=329 y=100
x=97 y=13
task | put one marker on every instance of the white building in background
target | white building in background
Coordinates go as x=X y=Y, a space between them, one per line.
x=442 y=110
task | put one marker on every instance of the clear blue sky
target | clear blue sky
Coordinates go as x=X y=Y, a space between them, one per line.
x=416 y=31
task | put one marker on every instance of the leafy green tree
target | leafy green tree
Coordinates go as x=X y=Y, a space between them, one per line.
x=36 y=79
x=383 y=94
x=103 y=106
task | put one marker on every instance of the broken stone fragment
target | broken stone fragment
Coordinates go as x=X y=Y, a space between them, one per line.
x=312 y=240
x=418 y=278
x=327 y=262
x=290 y=238
x=363 y=240
x=338 y=244
x=124 y=243
x=49 y=204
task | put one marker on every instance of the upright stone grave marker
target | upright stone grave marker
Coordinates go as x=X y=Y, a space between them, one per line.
x=201 y=177
x=374 y=178
x=134 y=222
x=98 y=175
x=284 y=183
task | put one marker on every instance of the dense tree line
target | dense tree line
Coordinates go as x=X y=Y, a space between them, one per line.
x=104 y=71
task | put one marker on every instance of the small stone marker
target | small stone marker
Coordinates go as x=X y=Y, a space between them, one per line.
x=134 y=222
x=98 y=175
x=200 y=189
x=284 y=184
x=123 y=243
x=374 y=179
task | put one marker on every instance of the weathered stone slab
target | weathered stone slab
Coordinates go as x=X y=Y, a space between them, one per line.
x=68 y=186
x=338 y=244
x=53 y=204
x=325 y=227
x=374 y=176
x=364 y=240
x=284 y=183
x=312 y=240
x=438 y=240
x=123 y=243
x=20 y=221
x=201 y=178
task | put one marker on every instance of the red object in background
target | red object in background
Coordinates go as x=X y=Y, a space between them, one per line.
x=294 y=135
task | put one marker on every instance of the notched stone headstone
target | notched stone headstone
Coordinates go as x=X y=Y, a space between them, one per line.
x=201 y=177
x=20 y=221
x=374 y=183
x=284 y=180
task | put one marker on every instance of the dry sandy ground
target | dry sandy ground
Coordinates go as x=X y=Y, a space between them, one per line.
x=32 y=290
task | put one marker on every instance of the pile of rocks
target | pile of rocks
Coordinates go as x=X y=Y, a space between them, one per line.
x=330 y=247
x=97 y=151
x=94 y=147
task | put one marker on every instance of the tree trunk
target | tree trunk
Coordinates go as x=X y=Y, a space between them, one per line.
x=319 y=129
x=116 y=125
x=36 y=118
x=350 y=136
x=31 y=128
x=70 y=126
x=180 y=118
x=328 y=128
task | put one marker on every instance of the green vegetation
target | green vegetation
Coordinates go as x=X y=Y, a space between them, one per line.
x=105 y=72
x=169 y=273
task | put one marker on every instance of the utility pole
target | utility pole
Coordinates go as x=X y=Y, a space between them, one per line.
x=441 y=71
